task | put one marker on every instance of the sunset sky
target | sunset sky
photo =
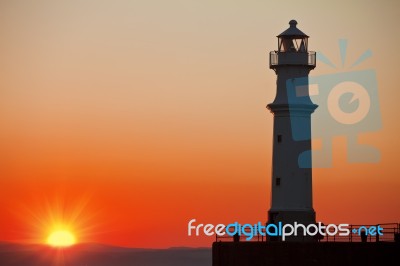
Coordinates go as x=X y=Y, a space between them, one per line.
x=126 y=119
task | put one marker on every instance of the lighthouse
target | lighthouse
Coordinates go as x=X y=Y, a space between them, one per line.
x=291 y=197
x=291 y=212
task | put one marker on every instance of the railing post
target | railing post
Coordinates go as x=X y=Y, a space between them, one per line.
x=377 y=235
x=315 y=59
x=271 y=59
x=351 y=233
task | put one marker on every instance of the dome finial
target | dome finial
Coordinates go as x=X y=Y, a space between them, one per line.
x=293 y=23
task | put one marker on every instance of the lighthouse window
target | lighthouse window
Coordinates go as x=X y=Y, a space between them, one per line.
x=279 y=138
x=287 y=45
x=278 y=181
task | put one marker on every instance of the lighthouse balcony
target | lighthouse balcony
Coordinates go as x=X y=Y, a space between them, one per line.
x=292 y=58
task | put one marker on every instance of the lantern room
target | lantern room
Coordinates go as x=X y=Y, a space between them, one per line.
x=292 y=39
x=292 y=49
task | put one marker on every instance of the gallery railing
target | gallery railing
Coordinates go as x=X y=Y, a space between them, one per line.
x=292 y=58
x=391 y=233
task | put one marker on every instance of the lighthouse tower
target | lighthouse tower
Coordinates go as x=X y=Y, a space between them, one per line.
x=291 y=198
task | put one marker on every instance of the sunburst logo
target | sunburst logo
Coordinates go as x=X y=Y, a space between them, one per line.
x=343 y=56
x=348 y=105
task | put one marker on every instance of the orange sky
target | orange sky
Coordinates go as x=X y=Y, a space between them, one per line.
x=129 y=119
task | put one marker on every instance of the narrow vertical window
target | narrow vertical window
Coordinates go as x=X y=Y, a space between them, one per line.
x=278 y=181
x=279 y=138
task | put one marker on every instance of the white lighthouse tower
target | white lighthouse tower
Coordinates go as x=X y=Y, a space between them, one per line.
x=291 y=199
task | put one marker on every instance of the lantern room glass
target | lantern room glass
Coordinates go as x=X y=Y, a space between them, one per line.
x=292 y=44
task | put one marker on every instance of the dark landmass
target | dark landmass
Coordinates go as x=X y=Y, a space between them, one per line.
x=100 y=255
x=306 y=253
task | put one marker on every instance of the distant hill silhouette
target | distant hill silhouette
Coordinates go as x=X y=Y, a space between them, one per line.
x=101 y=255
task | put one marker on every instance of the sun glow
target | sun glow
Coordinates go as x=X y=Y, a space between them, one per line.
x=61 y=238
x=59 y=221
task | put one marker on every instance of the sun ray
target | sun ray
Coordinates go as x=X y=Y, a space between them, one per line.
x=362 y=57
x=343 y=50
x=43 y=215
x=321 y=57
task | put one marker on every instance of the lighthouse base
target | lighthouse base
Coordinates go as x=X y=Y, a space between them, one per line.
x=305 y=254
x=304 y=217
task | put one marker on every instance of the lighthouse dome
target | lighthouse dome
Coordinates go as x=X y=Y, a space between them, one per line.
x=293 y=31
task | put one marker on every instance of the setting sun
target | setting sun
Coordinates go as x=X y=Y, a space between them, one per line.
x=61 y=238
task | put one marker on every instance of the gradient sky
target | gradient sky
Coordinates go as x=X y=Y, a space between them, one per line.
x=127 y=119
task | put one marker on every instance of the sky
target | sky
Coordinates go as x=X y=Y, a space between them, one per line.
x=126 y=119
